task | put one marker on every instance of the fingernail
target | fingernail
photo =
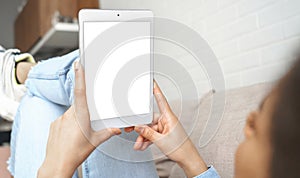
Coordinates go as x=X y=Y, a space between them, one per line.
x=76 y=65
x=139 y=129
x=117 y=132
x=137 y=145
x=155 y=85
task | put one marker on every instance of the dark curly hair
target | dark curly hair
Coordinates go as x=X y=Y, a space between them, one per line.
x=285 y=126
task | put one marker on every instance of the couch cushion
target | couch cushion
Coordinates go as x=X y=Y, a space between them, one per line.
x=218 y=147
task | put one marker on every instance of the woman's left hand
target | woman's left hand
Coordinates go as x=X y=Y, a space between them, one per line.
x=71 y=138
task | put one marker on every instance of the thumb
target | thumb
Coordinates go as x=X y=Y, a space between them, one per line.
x=103 y=135
x=80 y=100
x=147 y=133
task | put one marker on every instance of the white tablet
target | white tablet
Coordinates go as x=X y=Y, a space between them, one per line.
x=116 y=51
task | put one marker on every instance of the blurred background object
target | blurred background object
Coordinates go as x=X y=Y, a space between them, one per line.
x=49 y=26
x=5 y=130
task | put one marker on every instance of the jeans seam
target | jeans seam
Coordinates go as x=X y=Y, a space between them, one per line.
x=15 y=136
x=43 y=76
x=70 y=83
x=55 y=76
x=86 y=169
x=61 y=74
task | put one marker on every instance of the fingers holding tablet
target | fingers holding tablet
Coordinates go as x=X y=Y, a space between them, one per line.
x=129 y=129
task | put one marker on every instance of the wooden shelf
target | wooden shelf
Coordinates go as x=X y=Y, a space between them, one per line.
x=62 y=36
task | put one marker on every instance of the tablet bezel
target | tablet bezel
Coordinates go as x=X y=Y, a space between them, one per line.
x=92 y=15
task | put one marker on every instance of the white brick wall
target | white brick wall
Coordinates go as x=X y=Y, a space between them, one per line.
x=254 y=40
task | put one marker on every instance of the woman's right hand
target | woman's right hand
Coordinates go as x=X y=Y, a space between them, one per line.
x=169 y=136
x=71 y=139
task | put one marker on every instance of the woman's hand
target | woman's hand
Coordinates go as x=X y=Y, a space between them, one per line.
x=71 y=139
x=169 y=136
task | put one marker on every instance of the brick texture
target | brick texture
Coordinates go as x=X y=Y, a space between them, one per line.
x=254 y=40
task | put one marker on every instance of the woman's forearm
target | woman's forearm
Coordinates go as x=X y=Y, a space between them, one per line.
x=192 y=163
x=52 y=171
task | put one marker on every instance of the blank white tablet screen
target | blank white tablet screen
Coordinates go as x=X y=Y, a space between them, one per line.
x=138 y=94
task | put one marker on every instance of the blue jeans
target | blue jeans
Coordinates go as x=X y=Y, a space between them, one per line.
x=50 y=93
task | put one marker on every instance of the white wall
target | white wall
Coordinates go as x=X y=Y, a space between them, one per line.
x=254 y=40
